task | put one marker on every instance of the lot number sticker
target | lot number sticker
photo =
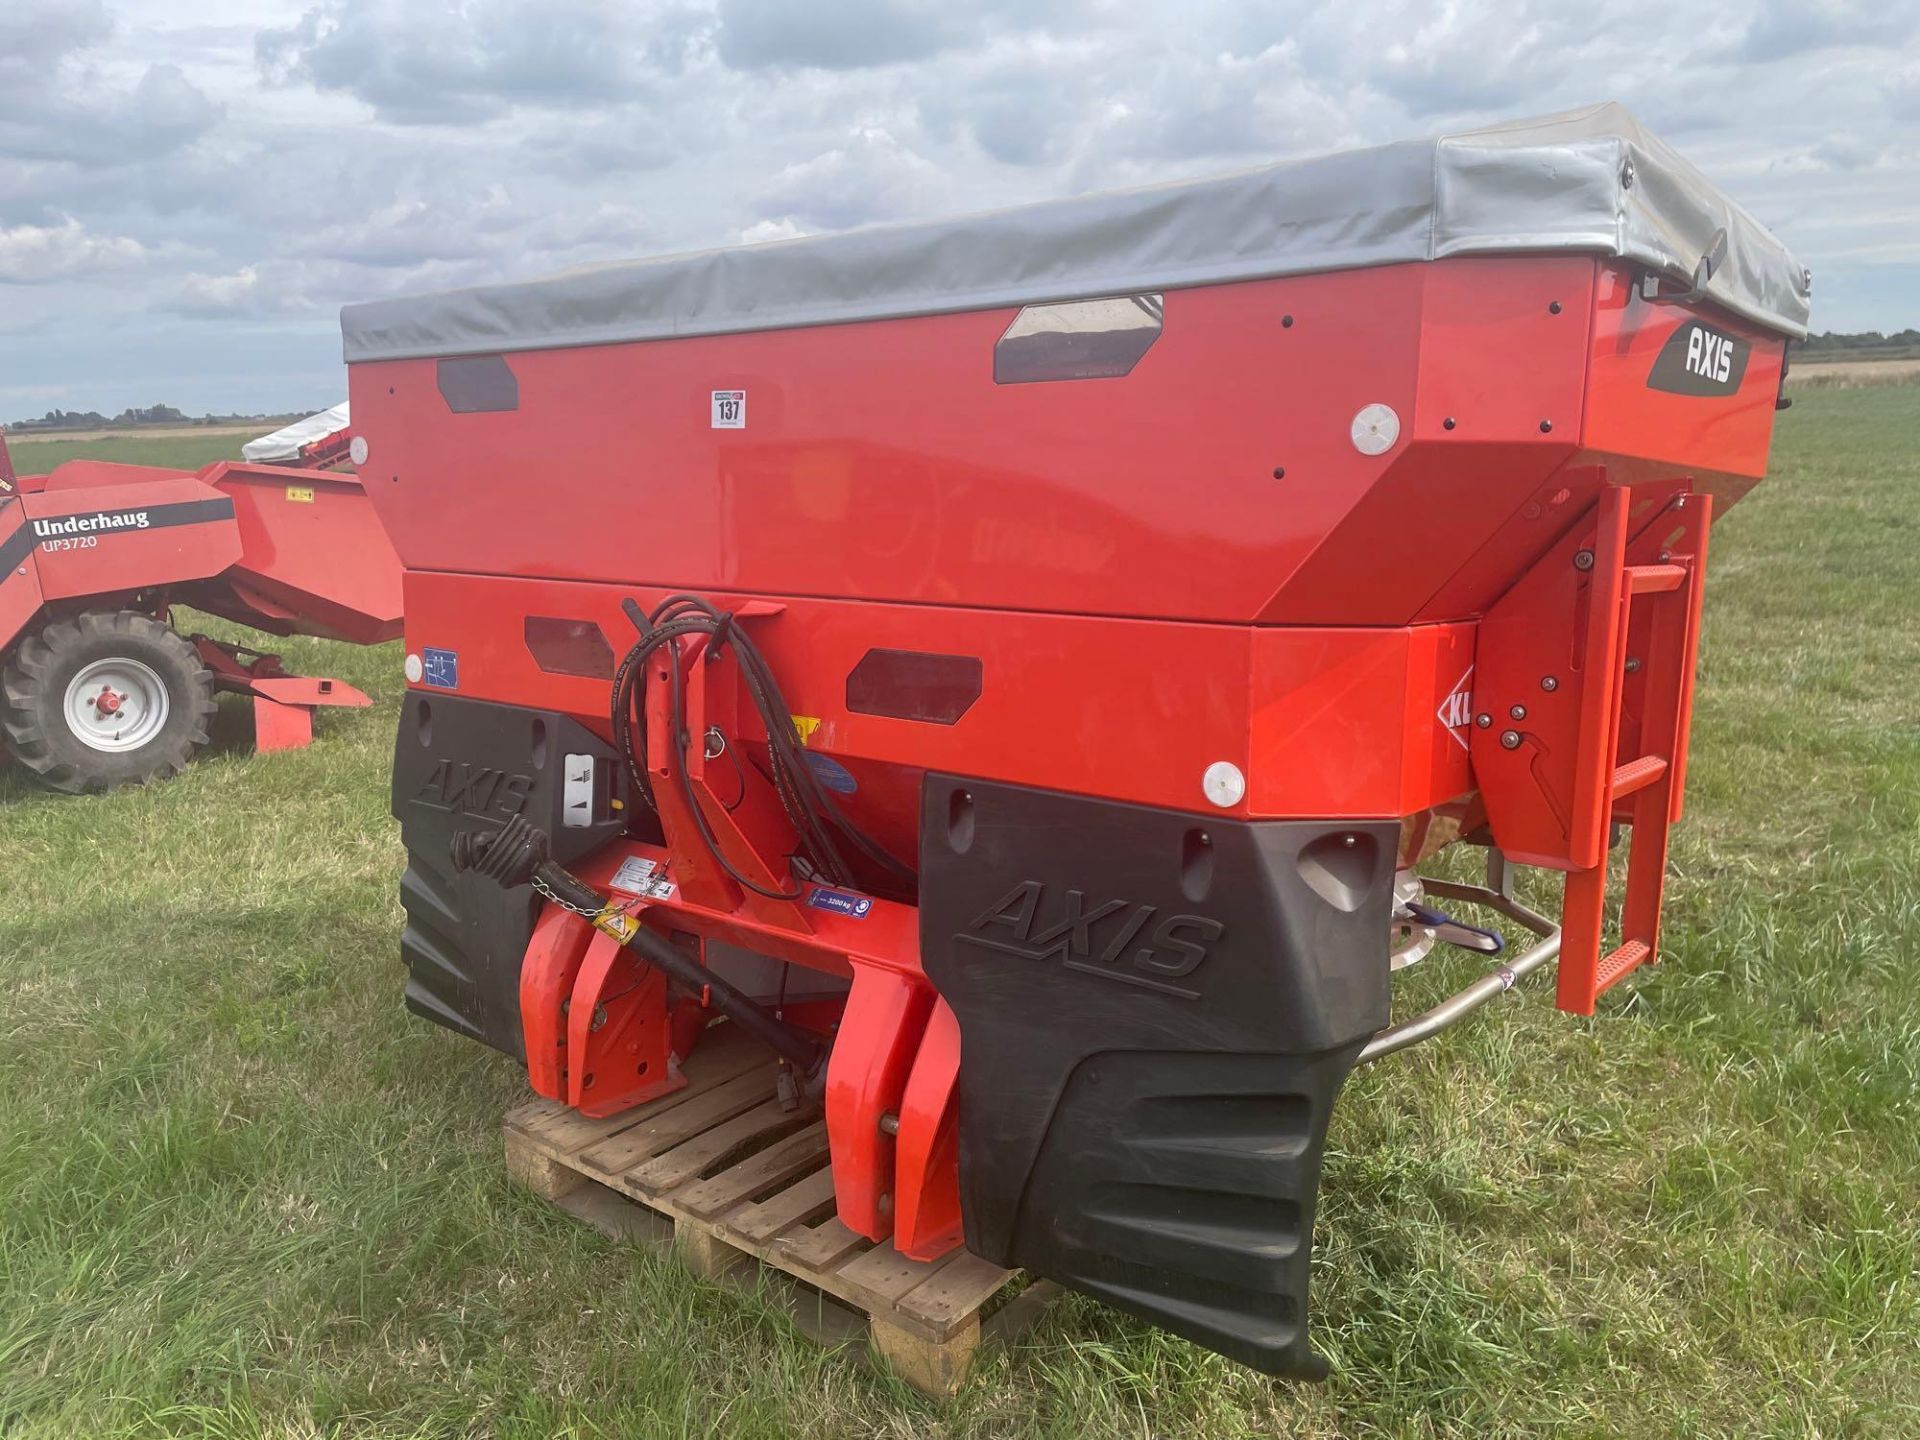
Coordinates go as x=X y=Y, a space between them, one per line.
x=729 y=409
x=645 y=878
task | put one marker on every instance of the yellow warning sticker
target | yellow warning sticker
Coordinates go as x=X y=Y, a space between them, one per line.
x=303 y=494
x=620 y=927
x=806 y=725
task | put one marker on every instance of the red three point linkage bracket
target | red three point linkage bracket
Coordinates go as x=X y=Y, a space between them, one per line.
x=747 y=827
x=604 y=1033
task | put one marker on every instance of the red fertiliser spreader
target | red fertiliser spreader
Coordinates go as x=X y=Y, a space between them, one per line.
x=1015 y=667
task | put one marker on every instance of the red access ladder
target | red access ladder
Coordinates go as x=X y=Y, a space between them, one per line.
x=1642 y=619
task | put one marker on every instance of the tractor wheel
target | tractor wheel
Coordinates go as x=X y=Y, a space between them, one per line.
x=107 y=698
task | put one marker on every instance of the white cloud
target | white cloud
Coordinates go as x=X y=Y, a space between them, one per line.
x=1903 y=92
x=37 y=33
x=463 y=62
x=868 y=176
x=239 y=293
x=36 y=254
x=1781 y=29
x=182 y=185
x=55 y=107
x=855 y=34
x=765 y=232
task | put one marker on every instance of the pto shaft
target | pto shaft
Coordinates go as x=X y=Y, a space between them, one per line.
x=518 y=854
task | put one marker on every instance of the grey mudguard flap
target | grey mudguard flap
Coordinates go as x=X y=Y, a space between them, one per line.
x=463 y=764
x=1156 y=1011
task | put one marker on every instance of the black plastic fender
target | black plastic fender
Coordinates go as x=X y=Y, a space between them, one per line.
x=1156 y=1012
x=462 y=765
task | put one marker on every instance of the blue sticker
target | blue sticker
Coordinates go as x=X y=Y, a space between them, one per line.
x=841 y=902
x=440 y=668
x=831 y=773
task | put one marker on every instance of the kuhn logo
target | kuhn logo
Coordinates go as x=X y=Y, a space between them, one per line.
x=474 y=790
x=88 y=524
x=1113 y=939
x=1456 y=711
x=1699 y=360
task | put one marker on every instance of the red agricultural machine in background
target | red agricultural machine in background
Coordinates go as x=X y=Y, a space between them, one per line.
x=97 y=688
x=1015 y=667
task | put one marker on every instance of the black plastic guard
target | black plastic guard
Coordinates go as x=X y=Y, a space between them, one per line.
x=1156 y=1011
x=472 y=765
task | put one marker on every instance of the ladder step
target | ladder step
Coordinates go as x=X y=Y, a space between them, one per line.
x=1637 y=774
x=1628 y=957
x=1652 y=579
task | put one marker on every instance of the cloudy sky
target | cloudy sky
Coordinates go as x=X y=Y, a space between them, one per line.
x=188 y=192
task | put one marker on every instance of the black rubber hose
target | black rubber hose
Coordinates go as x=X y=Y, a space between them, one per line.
x=818 y=823
x=518 y=854
x=799 y=1049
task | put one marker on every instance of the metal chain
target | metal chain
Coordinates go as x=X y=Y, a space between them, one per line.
x=542 y=888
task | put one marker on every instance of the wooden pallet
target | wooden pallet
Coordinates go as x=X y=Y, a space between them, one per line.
x=732 y=1177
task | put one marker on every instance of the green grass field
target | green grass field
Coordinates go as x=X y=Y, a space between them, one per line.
x=243 y=1193
x=181 y=452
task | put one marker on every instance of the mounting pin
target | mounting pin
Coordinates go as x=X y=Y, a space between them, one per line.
x=1509 y=739
x=1518 y=712
x=1549 y=683
x=1583 y=560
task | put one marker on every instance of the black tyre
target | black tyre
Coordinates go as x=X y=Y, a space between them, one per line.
x=105 y=699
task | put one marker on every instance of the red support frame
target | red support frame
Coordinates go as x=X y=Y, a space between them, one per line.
x=283 y=704
x=893 y=1160
x=614 y=1042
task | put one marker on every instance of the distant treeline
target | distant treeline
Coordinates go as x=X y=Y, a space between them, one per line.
x=1827 y=345
x=142 y=415
x=1866 y=345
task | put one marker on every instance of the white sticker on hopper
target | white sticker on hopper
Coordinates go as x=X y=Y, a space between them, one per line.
x=645 y=878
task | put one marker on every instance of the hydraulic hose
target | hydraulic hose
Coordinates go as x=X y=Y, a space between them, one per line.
x=519 y=854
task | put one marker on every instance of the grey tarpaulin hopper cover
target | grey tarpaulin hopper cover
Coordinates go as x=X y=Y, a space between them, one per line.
x=1590 y=181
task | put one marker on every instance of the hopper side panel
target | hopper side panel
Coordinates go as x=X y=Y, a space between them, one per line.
x=882 y=461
